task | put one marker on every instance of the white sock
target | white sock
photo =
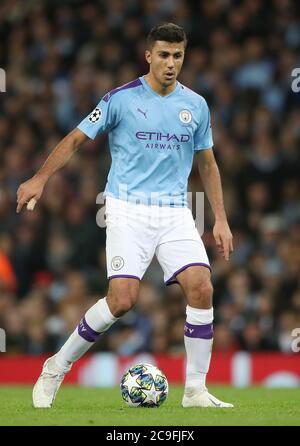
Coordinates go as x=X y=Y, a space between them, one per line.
x=96 y=320
x=198 y=340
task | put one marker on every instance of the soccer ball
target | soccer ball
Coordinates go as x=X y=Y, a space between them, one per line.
x=144 y=385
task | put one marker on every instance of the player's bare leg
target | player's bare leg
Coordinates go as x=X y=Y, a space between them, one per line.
x=198 y=337
x=121 y=297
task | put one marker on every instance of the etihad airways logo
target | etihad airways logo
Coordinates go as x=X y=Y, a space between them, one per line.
x=157 y=136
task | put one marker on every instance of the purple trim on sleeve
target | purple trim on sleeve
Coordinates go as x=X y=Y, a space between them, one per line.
x=86 y=332
x=124 y=275
x=131 y=84
x=199 y=331
x=173 y=278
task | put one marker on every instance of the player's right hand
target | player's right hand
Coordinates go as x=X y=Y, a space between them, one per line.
x=29 y=193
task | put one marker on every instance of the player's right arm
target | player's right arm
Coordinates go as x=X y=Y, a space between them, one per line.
x=32 y=189
x=104 y=117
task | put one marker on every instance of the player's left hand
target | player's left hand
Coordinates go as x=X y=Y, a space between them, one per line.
x=223 y=238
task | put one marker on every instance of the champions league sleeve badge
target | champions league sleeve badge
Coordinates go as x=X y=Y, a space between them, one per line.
x=95 y=115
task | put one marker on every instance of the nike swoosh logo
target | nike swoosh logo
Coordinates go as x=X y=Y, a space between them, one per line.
x=214 y=403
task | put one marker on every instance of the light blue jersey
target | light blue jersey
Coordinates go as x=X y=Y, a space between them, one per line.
x=152 y=141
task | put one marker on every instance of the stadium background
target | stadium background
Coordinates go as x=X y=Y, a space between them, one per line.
x=60 y=58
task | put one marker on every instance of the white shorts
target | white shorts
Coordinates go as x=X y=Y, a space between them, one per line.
x=136 y=232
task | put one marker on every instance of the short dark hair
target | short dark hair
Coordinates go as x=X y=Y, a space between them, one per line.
x=168 y=32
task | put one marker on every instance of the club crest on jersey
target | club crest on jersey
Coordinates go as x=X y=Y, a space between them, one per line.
x=185 y=116
x=117 y=263
x=95 y=115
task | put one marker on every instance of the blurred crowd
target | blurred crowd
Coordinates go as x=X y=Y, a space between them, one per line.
x=60 y=58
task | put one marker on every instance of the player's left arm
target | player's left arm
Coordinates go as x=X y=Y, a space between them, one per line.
x=211 y=179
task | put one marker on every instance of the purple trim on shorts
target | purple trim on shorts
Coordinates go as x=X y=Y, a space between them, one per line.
x=173 y=278
x=199 y=331
x=124 y=275
x=86 y=332
x=131 y=84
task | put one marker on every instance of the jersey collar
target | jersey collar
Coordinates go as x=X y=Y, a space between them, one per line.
x=147 y=86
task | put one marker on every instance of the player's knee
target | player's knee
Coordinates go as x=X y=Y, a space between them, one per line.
x=200 y=294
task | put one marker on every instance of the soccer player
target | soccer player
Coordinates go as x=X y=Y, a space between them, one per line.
x=156 y=125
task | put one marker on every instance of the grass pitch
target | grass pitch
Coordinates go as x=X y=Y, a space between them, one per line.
x=77 y=406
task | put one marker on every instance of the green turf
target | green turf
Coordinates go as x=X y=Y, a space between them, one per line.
x=94 y=406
